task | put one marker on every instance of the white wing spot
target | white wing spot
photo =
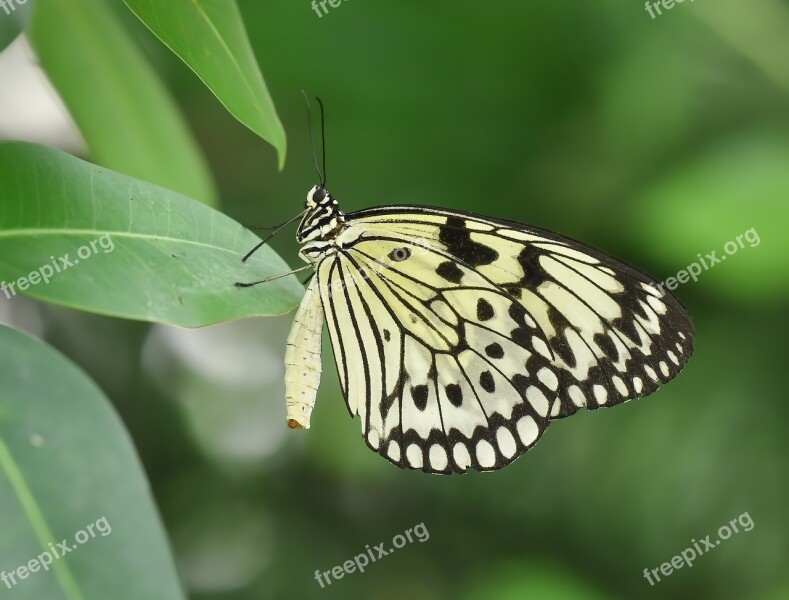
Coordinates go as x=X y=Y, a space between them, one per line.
x=461 y=456
x=506 y=442
x=682 y=335
x=438 y=457
x=576 y=395
x=486 y=455
x=548 y=378
x=393 y=451
x=527 y=430
x=651 y=372
x=620 y=385
x=638 y=385
x=540 y=347
x=374 y=438
x=664 y=368
x=538 y=400
x=673 y=357
x=414 y=456
x=656 y=305
x=679 y=347
x=600 y=394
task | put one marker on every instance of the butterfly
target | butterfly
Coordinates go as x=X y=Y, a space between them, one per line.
x=458 y=338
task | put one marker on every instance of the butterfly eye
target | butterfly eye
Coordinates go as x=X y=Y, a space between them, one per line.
x=318 y=194
x=399 y=254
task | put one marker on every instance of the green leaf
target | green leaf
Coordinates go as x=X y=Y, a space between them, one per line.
x=155 y=255
x=67 y=463
x=125 y=114
x=209 y=36
x=13 y=18
x=738 y=187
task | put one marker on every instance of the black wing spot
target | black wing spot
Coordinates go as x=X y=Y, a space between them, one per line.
x=533 y=274
x=520 y=383
x=512 y=289
x=387 y=335
x=486 y=381
x=607 y=345
x=561 y=348
x=457 y=238
x=431 y=374
x=455 y=394
x=484 y=310
x=419 y=394
x=399 y=254
x=522 y=337
x=518 y=313
x=449 y=271
x=495 y=350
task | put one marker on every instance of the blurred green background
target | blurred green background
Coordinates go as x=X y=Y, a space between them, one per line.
x=655 y=139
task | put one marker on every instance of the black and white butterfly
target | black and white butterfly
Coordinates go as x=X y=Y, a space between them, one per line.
x=458 y=338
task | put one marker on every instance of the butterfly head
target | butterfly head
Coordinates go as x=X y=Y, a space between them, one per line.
x=322 y=219
x=318 y=196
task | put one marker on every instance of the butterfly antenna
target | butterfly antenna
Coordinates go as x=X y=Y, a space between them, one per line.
x=273 y=277
x=323 y=139
x=271 y=235
x=321 y=178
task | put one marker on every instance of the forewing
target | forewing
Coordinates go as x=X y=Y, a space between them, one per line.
x=613 y=333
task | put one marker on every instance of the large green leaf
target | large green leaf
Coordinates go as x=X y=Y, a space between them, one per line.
x=67 y=463
x=209 y=36
x=125 y=114
x=168 y=258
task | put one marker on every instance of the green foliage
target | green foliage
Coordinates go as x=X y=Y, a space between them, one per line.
x=741 y=178
x=210 y=38
x=12 y=24
x=66 y=462
x=167 y=259
x=122 y=109
x=540 y=581
x=655 y=140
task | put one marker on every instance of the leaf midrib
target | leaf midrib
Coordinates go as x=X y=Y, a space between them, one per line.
x=37 y=521
x=9 y=233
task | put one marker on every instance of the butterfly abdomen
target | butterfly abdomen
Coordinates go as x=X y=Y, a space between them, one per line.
x=303 y=360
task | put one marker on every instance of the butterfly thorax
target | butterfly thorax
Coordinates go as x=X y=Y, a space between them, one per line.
x=323 y=221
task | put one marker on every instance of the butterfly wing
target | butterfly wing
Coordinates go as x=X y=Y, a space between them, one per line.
x=458 y=337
